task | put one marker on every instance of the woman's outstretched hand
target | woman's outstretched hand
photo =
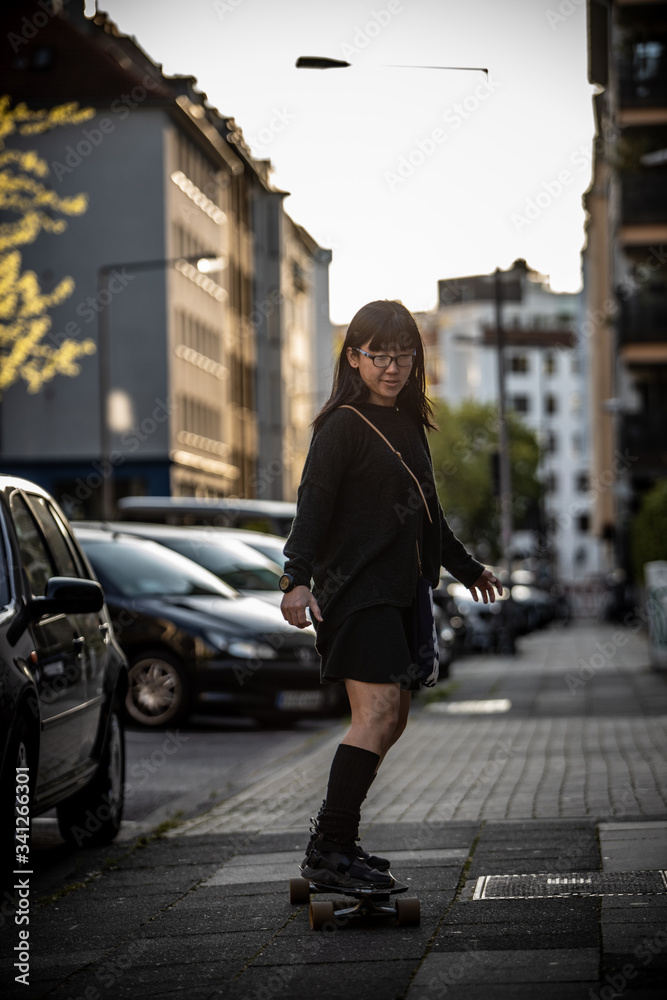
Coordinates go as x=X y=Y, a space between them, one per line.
x=294 y=604
x=485 y=584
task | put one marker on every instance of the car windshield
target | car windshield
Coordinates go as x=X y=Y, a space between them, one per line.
x=133 y=568
x=234 y=563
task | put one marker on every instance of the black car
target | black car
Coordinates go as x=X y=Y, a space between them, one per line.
x=195 y=644
x=63 y=680
x=244 y=568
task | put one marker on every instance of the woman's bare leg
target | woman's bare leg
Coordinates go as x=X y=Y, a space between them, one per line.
x=403 y=712
x=376 y=712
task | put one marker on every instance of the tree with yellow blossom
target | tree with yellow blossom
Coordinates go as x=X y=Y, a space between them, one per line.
x=25 y=350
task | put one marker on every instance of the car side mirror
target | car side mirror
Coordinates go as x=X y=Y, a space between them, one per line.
x=64 y=596
x=67 y=595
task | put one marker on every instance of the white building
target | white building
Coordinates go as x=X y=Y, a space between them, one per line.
x=545 y=382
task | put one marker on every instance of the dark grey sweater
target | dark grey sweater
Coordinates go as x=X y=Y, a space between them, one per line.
x=359 y=516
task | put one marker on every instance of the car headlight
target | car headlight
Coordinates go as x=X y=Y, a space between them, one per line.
x=245 y=649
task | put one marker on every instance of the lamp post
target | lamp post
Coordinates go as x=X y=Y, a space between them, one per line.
x=104 y=296
x=505 y=471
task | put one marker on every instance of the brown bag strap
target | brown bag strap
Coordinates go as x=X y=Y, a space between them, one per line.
x=346 y=406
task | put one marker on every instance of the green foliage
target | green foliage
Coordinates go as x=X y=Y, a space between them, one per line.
x=649 y=529
x=462 y=450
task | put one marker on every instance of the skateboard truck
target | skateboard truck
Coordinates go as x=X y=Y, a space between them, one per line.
x=371 y=903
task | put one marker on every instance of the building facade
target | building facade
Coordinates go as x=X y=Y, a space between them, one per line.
x=545 y=365
x=170 y=280
x=625 y=264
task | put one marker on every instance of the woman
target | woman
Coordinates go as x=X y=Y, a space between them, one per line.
x=360 y=525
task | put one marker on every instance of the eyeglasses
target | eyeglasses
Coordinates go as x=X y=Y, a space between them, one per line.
x=384 y=360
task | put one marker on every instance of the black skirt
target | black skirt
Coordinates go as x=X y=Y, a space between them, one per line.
x=372 y=645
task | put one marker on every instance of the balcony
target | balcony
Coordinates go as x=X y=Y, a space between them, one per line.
x=643 y=320
x=642 y=439
x=644 y=199
x=642 y=74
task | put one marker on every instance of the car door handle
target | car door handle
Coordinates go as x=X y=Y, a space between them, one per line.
x=104 y=627
x=78 y=644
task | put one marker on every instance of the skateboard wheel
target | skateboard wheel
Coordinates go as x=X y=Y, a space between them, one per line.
x=299 y=890
x=321 y=912
x=408 y=912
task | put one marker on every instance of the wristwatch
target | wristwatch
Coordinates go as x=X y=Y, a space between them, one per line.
x=286 y=583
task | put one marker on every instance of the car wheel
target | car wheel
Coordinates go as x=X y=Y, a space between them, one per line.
x=13 y=831
x=158 y=691
x=94 y=814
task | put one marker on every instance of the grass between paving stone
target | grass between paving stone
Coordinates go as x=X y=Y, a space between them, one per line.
x=110 y=863
x=463 y=878
x=441 y=692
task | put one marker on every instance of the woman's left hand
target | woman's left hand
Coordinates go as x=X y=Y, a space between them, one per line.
x=485 y=584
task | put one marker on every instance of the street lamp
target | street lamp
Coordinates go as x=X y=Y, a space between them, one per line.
x=204 y=264
x=323 y=62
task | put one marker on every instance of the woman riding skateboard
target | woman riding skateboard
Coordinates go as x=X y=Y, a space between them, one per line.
x=363 y=532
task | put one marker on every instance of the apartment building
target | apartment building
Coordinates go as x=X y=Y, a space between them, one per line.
x=545 y=367
x=165 y=262
x=625 y=264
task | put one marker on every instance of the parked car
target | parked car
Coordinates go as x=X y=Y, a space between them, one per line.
x=487 y=627
x=271 y=546
x=196 y=644
x=63 y=678
x=260 y=515
x=229 y=558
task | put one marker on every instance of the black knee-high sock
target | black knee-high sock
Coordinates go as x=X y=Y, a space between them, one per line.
x=352 y=771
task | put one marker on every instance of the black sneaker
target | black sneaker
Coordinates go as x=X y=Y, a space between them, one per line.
x=338 y=865
x=372 y=860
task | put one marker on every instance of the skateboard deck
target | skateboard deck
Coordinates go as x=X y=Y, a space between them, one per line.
x=370 y=903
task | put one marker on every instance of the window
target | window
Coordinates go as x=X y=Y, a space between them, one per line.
x=577 y=446
x=551 y=483
x=550 y=363
x=521 y=404
x=34 y=554
x=581 y=482
x=583 y=522
x=519 y=363
x=54 y=531
x=550 y=403
x=551 y=443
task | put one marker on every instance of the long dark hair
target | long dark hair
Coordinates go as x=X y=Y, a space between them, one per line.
x=382 y=323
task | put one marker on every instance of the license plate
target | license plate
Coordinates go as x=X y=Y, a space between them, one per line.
x=290 y=701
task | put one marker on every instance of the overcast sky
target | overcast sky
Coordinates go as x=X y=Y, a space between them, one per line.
x=407 y=175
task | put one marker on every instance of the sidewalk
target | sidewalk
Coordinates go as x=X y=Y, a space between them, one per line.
x=552 y=762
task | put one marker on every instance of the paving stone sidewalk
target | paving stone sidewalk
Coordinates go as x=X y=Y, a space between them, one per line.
x=473 y=806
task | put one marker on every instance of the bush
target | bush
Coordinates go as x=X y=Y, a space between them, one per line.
x=649 y=529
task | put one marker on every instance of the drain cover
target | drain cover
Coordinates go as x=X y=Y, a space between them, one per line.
x=573 y=884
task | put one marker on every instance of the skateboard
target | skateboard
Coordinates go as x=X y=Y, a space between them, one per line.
x=371 y=903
